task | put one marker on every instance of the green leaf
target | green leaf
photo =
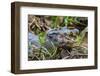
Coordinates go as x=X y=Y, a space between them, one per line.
x=42 y=38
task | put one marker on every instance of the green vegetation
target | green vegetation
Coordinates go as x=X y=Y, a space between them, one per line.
x=42 y=38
